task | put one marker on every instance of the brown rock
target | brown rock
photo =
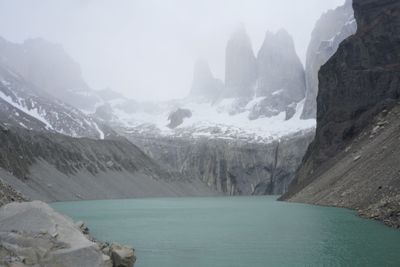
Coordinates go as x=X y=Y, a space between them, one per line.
x=122 y=256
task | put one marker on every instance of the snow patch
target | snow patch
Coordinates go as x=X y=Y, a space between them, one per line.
x=101 y=133
x=254 y=102
x=277 y=92
x=31 y=112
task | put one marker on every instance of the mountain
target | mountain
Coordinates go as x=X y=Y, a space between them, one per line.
x=25 y=105
x=177 y=134
x=204 y=85
x=229 y=152
x=54 y=167
x=353 y=161
x=280 y=79
x=267 y=85
x=240 y=138
x=330 y=30
x=50 y=68
x=240 y=66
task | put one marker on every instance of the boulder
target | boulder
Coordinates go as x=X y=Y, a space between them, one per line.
x=176 y=117
x=122 y=256
x=32 y=233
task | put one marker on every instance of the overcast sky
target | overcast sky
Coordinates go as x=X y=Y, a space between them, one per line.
x=146 y=49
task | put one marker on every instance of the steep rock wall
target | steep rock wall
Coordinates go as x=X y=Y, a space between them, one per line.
x=228 y=166
x=360 y=81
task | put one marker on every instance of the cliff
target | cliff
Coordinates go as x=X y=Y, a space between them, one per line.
x=330 y=30
x=353 y=161
x=232 y=167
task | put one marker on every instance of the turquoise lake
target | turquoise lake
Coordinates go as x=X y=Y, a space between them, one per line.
x=237 y=231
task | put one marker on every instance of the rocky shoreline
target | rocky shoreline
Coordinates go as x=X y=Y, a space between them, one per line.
x=33 y=234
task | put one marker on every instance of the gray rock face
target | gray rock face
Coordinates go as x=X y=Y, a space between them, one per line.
x=204 y=85
x=276 y=77
x=54 y=167
x=240 y=66
x=280 y=74
x=34 y=234
x=330 y=30
x=49 y=68
x=230 y=167
x=21 y=148
x=176 y=117
x=359 y=81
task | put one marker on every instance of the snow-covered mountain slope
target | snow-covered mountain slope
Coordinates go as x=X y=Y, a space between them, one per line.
x=220 y=120
x=47 y=66
x=24 y=105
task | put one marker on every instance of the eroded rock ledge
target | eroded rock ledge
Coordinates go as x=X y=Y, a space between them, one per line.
x=33 y=234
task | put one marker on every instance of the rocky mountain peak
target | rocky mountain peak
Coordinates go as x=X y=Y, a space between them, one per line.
x=280 y=75
x=204 y=84
x=280 y=37
x=63 y=73
x=49 y=68
x=240 y=65
x=279 y=67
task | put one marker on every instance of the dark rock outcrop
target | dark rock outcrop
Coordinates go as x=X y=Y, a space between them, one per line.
x=176 y=117
x=240 y=66
x=280 y=76
x=204 y=85
x=361 y=80
x=330 y=30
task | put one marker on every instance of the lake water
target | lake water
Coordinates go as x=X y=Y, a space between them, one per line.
x=237 y=231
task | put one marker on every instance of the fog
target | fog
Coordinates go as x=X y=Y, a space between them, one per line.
x=146 y=49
